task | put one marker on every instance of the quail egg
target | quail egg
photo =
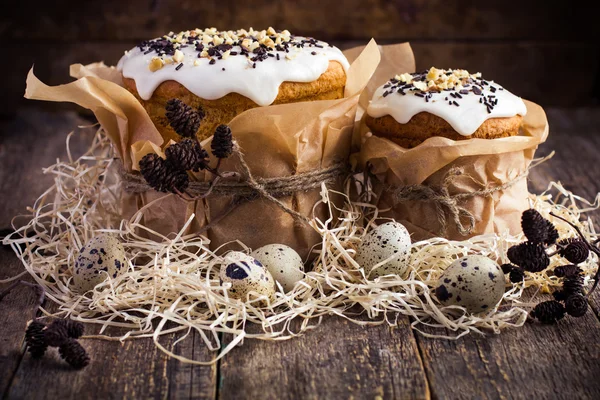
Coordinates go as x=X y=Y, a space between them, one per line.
x=474 y=282
x=246 y=274
x=389 y=241
x=284 y=264
x=102 y=256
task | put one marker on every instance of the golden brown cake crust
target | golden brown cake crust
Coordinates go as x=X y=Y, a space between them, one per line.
x=330 y=85
x=424 y=125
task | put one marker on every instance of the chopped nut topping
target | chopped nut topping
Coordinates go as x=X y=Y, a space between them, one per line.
x=450 y=85
x=255 y=46
x=155 y=64
x=178 y=56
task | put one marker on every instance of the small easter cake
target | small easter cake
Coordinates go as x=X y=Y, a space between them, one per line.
x=224 y=73
x=455 y=104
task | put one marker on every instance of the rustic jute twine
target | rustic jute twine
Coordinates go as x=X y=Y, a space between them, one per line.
x=249 y=187
x=448 y=204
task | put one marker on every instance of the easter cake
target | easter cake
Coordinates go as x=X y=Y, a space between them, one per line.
x=224 y=73
x=410 y=108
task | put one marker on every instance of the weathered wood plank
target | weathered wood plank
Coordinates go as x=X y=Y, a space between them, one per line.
x=134 y=369
x=531 y=72
x=536 y=361
x=559 y=361
x=29 y=143
x=15 y=310
x=513 y=364
x=337 y=360
x=355 y=19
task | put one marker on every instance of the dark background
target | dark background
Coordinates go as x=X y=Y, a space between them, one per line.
x=546 y=51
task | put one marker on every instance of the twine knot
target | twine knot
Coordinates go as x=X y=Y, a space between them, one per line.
x=443 y=201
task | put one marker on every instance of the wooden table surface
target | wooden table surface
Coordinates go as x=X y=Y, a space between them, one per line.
x=339 y=360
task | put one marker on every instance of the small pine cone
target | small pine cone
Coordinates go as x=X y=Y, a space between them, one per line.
x=222 y=143
x=177 y=180
x=161 y=175
x=552 y=236
x=74 y=328
x=507 y=268
x=548 y=312
x=187 y=155
x=516 y=275
x=576 y=251
x=559 y=295
x=56 y=334
x=538 y=229
x=567 y=270
x=573 y=284
x=73 y=353
x=36 y=339
x=183 y=119
x=576 y=305
x=154 y=169
x=530 y=256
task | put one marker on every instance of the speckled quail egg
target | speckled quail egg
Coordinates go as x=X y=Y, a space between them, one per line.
x=284 y=264
x=246 y=274
x=102 y=256
x=385 y=241
x=474 y=282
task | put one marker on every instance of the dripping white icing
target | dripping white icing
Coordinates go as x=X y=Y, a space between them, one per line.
x=465 y=118
x=259 y=81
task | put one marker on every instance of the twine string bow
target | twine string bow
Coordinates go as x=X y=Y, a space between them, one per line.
x=447 y=204
x=443 y=201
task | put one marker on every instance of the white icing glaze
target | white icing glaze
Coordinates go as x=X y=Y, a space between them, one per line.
x=210 y=82
x=465 y=118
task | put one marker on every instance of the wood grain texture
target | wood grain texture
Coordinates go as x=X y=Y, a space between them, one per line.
x=329 y=19
x=133 y=369
x=559 y=361
x=337 y=360
x=16 y=309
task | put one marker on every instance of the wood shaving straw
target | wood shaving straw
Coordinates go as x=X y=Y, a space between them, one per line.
x=176 y=280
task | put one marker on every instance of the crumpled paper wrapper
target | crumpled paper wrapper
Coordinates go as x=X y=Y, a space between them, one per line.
x=277 y=141
x=485 y=164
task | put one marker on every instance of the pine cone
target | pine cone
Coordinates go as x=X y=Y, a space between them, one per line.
x=573 y=284
x=74 y=328
x=161 y=175
x=187 y=155
x=530 y=256
x=559 y=295
x=567 y=270
x=548 y=312
x=183 y=119
x=576 y=305
x=516 y=275
x=552 y=234
x=36 y=339
x=574 y=250
x=56 y=334
x=538 y=229
x=507 y=268
x=222 y=143
x=73 y=353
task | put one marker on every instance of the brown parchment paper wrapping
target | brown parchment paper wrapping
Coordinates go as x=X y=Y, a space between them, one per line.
x=485 y=164
x=277 y=141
